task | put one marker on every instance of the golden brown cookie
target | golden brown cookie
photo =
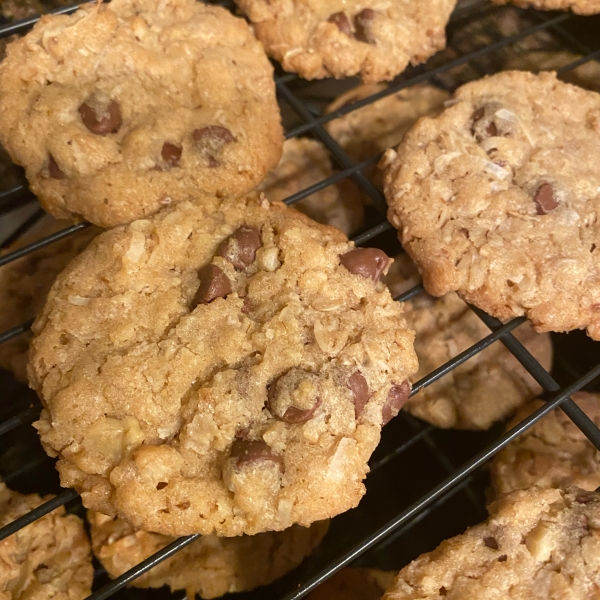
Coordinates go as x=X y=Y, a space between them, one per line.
x=221 y=367
x=354 y=584
x=489 y=386
x=210 y=566
x=48 y=559
x=122 y=108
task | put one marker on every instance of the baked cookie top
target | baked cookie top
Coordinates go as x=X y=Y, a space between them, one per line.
x=222 y=367
x=119 y=109
x=354 y=584
x=50 y=558
x=210 y=566
x=489 y=386
x=375 y=39
x=25 y=282
x=497 y=199
x=551 y=453
x=537 y=543
x=581 y=7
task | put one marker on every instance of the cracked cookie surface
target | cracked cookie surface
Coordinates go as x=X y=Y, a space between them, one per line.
x=537 y=543
x=376 y=39
x=50 y=558
x=580 y=7
x=210 y=566
x=220 y=368
x=497 y=199
x=120 y=109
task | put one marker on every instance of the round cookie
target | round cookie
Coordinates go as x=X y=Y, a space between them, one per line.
x=354 y=584
x=497 y=198
x=537 y=543
x=50 y=558
x=305 y=162
x=123 y=108
x=375 y=39
x=551 y=453
x=210 y=566
x=222 y=367
x=489 y=386
x=25 y=282
x=580 y=7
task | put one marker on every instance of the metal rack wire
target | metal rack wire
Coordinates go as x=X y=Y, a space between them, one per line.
x=450 y=478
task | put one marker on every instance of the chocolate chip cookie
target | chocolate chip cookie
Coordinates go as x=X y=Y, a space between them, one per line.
x=537 y=543
x=305 y=162
x=581 y=7
x=488 y=387
x=122 y=108
x=551 y=453
x=24 y=285
x=375 y=39
x=496 y=199
x=50 y=558
x=221 y=367
x=210 y=566
x=354 y=584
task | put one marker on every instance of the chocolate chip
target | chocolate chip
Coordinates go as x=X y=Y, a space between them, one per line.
x=488 y=121
x=210 y=140
x=342 y=22
x=241 y=246
x=443 y=591
x=54 y=169
x=248 y=452
x=213 y=284
x=544 y=199
x=491 y=542
x=247 y=306
x=101 y=116
x=502 y=558
x=360 y=390
x=397 y=396
x=584 y=498
x=362 y=24
x=294 y=396
x=491 y=129
x=161 y=485
x=170 y=154
x=369 y=263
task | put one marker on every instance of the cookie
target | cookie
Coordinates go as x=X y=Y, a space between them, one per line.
x=497 y=198
x=354 y=584
x=220 y=368
x=50 y=558
x=210 y=566
x=489 y=386
x=551 y=453
x=305 y=162
x=25 y=283
x=375 y=39
x=537 y=543
x=580 y=7
x=121 y=109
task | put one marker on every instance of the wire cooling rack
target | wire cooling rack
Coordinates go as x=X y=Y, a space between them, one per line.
x=425 y=484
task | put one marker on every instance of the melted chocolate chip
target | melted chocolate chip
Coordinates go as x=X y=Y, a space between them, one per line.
x=362 y=24
x=360 y=390
x=53 y=168
x=213 y=284
x=210 y=140
x=544 y=199
x=502 y=558
x=369 y=263
x=171 y=154
x=342 y=22
x=491 y=542
x=295 y=385
x=249 y=452
x=241 y=246
x=397 y=396
x=101 y=118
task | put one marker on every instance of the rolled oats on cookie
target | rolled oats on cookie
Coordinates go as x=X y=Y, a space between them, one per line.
x=221 y=367
x=496 y=199
x=121 y=109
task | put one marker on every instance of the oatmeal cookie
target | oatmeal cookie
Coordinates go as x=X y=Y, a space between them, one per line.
x=375 y=39
x=537 y=543
x=551 y=453
x=123 y=108
x=50 y=558
x=354 y=584
x=305 y=162
x=581 y=7
x=488 y=387
x=497 y=199
x=210 y=566
x=222 y=367
x=25 y=282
